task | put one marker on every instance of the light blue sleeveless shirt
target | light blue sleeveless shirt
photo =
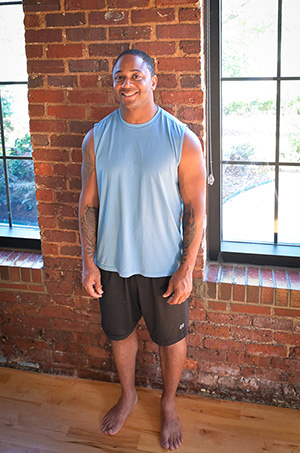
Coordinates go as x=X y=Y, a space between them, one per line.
x=139 y=228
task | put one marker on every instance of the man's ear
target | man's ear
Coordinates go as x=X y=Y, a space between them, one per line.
x=154 y=82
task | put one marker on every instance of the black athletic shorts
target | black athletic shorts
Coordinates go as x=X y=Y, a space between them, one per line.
x=126 y=300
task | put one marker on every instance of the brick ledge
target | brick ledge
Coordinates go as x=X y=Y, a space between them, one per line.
x=21 y=271
x=254 y=285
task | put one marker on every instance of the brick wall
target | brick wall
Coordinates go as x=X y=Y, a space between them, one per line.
x=71 y=46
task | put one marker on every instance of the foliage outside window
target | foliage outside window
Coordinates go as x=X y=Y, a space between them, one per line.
x=259 y=105
x=18 y=206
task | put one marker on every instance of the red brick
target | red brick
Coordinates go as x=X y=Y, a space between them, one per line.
x=62 y=81
x=288 y=313
x=67 y=197
x=40 y=96
x=47 y=222
x=59 y=236
x=179 y=64
x=295 y=298
x=45 y=66
x=42 y=169
x=81 y=127
x=86 y=34
x=39 y=140
x=178 y=31
x=281 y=296
x=69 y=140
x=37 y=288
x=191 y=364
x=36 y=110
x=108 y=17
x=155 y=15
x=31 y=20
x=70 y=250
x=66 y=111
x=83 y=5
x=190 y=81
x=25 y=274
x=47 y=126
x=127 y=3
x=193 y=114
x=107 y=50
x=190 y=47
x=223 y=345
x=50 y=249
x=34 y=51
x=124 y=33
x=88 y=65
x=13 y=286
x=35 y=81
x=231 y=319
x=266 y=349
x=246 y=308
x=45 y=195
x=64 y=50
x=42 y=36
x=89 y=81
x=284 y=364
x=182 y=97
x=86 y=97
x=280 y=279
x=239 y=292
x=15 y=274
x=98 y=113
x=41 y=5
x=267 y=295
x=189 y=14
x=4 y=273
x=259 y=335
x=65 y=19
x=273 y=323
x=225 y=291
x=287 y=339
x=253 y=294
x=211 y=330
x=213 y=305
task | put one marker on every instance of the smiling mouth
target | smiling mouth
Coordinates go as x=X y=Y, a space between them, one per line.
x=127 y=95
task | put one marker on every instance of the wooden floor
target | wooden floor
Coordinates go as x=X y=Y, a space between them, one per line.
x=46 y=414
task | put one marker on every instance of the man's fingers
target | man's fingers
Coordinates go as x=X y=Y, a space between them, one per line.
x=169 y=290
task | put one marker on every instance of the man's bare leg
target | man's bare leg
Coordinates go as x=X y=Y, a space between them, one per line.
x=172 y=362
x=124 y=353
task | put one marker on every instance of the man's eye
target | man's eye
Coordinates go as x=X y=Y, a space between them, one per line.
x=118 y=78
x=136 y=76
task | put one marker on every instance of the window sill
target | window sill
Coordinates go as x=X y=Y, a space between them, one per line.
x=21 y=271
x=253 y=289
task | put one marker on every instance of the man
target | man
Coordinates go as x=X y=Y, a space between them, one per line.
x=143 y=180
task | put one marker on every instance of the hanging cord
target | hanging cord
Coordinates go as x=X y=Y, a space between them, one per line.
x=209 y=160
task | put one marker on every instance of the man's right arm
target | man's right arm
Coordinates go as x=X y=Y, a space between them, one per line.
x=88 y=218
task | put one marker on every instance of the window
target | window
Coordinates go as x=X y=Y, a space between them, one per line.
x=18 y=207
x=254 y=131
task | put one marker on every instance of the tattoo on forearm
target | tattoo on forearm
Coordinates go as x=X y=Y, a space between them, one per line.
x=88 y=166
x=89 y=222
x=189 y=232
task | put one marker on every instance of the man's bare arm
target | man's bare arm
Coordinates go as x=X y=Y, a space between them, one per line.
x=88 y=218
x=192 y=189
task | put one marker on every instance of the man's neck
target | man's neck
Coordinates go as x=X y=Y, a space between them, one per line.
x=139 y=116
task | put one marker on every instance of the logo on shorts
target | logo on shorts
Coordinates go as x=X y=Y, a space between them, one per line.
x=181 y=326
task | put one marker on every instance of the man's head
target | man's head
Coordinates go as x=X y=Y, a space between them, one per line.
x=139 y=53
x=134 y=82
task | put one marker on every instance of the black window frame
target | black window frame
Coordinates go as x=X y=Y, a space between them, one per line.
x=11 y=236
x=225 y=251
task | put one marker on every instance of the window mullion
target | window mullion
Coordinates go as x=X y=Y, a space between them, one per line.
x=5 y=166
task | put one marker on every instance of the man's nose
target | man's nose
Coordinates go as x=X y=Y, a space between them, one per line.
x=126 y=82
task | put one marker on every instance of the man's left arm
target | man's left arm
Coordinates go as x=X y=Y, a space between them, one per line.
x=192 y=178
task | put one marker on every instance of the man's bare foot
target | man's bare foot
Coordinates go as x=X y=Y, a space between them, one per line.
x=171 y=431
x=115 y=418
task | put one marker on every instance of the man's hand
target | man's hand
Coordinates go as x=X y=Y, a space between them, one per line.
x=180 y=287
x=91 y=279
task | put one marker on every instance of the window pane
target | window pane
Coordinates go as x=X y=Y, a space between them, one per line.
x=289 y=206
x=290 y=121
x=249 y=38
x=16 y=120
x=22 y=192
x=12 y=44
x=290 y=36
x=248 y=203
x=249 y=120
x=3 y=200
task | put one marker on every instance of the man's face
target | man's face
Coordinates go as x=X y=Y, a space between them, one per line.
x=132 y=82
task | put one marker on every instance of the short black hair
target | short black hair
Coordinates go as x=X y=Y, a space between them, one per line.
x=139 y=53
